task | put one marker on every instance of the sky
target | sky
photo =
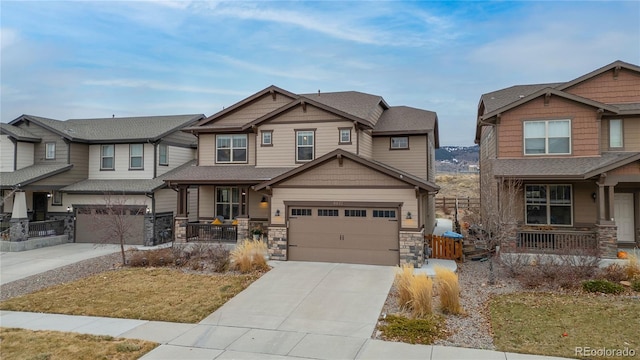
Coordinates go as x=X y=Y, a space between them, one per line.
x=72 y=59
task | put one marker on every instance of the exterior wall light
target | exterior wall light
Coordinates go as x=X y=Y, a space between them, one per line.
x=278 y=212
x=409 y=215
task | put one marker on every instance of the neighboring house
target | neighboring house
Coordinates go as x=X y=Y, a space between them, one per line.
x=79 y=166
x=574 y=149
x=329 y=176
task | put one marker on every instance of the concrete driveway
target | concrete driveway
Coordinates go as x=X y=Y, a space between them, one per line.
x=306 y=309
x=18 y=265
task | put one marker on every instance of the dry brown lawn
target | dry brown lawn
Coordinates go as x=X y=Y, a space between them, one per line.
x=159 y=294
x=44 y=345
x=460 y=186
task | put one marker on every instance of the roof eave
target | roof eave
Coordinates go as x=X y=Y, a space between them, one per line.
x=614 y=165
x=401 y=132
x=44 y=176
x=599 y=71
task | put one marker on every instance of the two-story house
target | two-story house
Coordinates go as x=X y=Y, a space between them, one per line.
x=330 y=176
x=573 y=148
x=79 y=166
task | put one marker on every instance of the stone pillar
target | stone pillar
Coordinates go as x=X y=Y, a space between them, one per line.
x=70 y=227
x=277 y=243
x=607 y=236
x=243 y=228
x=180 y=230
x=510 y=242
x=149 y=233
x=19 y=229
x=412 y=248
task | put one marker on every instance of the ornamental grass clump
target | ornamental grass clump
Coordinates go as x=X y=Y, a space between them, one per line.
x=421 y=290
x=403 y=280
x=249 y=255
x=448 y=290
x=633 y=267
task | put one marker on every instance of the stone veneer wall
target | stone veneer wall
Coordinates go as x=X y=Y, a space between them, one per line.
x=412 y=248
x=607 y=237
x=69 y=223
x=19 y=229
x=180 y=230
x=277 y=243
x=243 y=228
x=163 y=223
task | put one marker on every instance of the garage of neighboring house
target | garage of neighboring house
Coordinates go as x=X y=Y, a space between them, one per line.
x=353 y=233
x=97 y=224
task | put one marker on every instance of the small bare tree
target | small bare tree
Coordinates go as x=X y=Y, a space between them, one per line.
x=116 y=221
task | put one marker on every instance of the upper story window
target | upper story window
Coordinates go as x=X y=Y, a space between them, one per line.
x=50 y=151
x=231 y=148
x=163 y=154
x=136 y=156
x=547 y=137
x=345 y=136
x=267 y=138
x=305 y=145
x=400 y=142
x=56 y=198
x=548 y=204
x=107 y=156
x=615 y=133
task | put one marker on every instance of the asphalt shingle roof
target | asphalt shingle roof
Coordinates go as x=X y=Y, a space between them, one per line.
x=503 y=97
x=406 y=119
x=232 y=174
x=354 y=103
x=18 y=133
x=31 y=174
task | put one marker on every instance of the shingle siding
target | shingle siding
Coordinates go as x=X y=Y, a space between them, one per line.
x=608 y=89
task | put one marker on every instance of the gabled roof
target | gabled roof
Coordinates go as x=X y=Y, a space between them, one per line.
x=354 y=103
x=232 y=174
x=571 y=168
x=18 y=133
x=339 y=153
x=616 y=64
x=114 y=130
x=31 y=174
x=503 y=97
x=403 y=119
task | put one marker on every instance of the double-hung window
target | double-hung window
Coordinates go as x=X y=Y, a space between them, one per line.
x=267 y=138
x=547 y=137
x=399 y=142
x=615 y=133
x=50 y=151
x=163 y=154
x=228 y=202
x=548 y=204
x=107 y=154
x=345 y=136
x=305 y=145
x=231 y=148
x=136 y=156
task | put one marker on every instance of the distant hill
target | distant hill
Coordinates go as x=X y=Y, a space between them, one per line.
x=456 y=158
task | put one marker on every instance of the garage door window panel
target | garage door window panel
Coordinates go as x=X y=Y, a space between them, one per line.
x=300 y=212
x=328 y=212
x=355 y=213
x=391 y=214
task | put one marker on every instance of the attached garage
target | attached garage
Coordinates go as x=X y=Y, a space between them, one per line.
x=358 y=233
x=99 y=225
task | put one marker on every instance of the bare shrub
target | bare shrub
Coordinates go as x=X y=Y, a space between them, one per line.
x=249 y=256
x=514 y=263
x=448 y=290
x=614 y=273
x=198 y=256
x=158 y=257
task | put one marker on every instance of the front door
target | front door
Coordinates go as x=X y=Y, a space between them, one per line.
x=40 y=201
x=623 y=212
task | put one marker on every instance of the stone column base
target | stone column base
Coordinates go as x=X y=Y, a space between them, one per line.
x=277 y=243
x=180 y=230
x=607 y=238
x=412 y=248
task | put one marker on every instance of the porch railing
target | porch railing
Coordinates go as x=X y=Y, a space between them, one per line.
x=46 y=228
x=556 y=240
x=212 y=233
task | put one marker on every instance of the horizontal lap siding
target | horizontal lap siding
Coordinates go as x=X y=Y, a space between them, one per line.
x=166 y=200
x=207 y=150
x=584 y=126
x=206 y=202
x=253 y=111
x=86 y=199
x=47 y=137
x=177 y=157
x=365 y=142
x=350 y=173
x=255 y=207
x=413 y=161
x=192 y=204
x=121 y=162
x=608 y=89
x=6 y=154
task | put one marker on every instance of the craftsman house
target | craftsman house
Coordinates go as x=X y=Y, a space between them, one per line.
x=323 y=177
x=573 y=148
x=72 y=169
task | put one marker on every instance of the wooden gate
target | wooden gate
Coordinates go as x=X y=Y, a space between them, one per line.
x=444 y=247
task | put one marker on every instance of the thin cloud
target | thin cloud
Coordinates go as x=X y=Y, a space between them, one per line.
x=157 y=85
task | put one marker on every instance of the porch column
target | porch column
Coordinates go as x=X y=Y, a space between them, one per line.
x=612 y=214
x=182 y=201
x=601 y=203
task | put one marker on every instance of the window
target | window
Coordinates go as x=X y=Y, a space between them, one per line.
x=548 y=204
x=355 y=213
x=136 y=157
x=547 y=137
x=400 y=142
x=50 y=151
x=228 y=202
x=56 y=198
x=300 y=212
x=305 y=143
x=106 y=157
x=231 y=148
x=327 y=212
x=384 y=214
x=163 y=154
x=267 y=138
x=345 y=136
x=615 y=133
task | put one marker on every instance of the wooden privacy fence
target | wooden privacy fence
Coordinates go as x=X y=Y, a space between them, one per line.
x=465 y=203
x=444 y=247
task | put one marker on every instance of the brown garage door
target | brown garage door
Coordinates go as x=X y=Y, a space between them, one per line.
x=95 y=225
x=346 y=235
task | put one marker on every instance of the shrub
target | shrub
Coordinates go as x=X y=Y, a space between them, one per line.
x=421 y=290
x=614 y=273
x=249 y=256
x=158 y=257
x=413 y=331
x=602 y=286
x=403 y=281
x=448 y=290
x=635 y=285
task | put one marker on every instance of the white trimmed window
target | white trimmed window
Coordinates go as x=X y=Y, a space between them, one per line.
x=267 y=138
x=231 y=148
x=400 y=142
x=50 y=151
x=107 y=157
x=163 y=154
x=547 y=137
x=615 y=133
x=304 y=145
x=548 y=204
x=136 y=156
x=345 y=136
